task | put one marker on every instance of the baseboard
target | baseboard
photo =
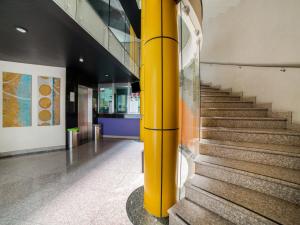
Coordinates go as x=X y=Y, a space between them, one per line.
x=122 y=137
x=32 y=151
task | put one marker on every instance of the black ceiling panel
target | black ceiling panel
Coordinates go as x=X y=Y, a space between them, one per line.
x=54 y=39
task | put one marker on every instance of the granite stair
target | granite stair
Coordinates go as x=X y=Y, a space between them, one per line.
x=234 y=112
x=244 y=122
x=215 y=92
x=255 y=135
x=240 y=205
x=247 y=170
x=209 y=88
x=186 y=212
x=220 y=98
x=226 y=104
x=268 y=154
x=270 y=180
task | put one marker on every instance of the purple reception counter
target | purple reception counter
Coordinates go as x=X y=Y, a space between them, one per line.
x=127 y=127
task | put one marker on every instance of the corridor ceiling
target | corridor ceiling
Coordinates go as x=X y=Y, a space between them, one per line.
x=54 y=39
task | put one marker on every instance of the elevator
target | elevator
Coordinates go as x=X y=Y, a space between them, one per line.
x=85 y=113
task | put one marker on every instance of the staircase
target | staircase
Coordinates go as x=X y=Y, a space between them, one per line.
x=248 y=167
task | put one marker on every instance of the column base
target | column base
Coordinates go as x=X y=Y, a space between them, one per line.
x=136 y=212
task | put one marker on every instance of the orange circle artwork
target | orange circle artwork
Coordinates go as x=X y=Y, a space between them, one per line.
x=45 y=103
x=45 y=89
x=45 y=115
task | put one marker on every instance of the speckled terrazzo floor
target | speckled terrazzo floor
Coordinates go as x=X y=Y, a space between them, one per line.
x=88 y=187
x=137 y=213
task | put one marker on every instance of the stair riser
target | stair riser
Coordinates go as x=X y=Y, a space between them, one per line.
x=235 y=113
x=215 y=93
x=211 y=122
x=220 y=98
x=209 y=89
x=204 y=85
x=256 y=183
x=251 y=156
x=226 y=105
x=227 y=210
x=261 y=138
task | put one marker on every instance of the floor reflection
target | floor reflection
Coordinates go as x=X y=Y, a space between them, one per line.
x=87 y=185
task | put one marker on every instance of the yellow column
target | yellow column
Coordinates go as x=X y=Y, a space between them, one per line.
x=142 y=94
x=161 y=89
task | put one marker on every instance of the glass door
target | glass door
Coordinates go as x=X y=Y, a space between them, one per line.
x=121 y=99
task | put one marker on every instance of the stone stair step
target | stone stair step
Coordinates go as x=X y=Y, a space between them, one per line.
x=277 y=182
x=220 y=98
x=186 y=212
x=204 y=85
x=252 y=135
x=288 y=175
x=234 y=112
x=226 y=104
x=240 y=205
x=215 y=92
x=268 y=154
x=220 y=94
x=245 y=122
x=210 y=88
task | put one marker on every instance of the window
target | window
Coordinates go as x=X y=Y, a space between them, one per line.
x=117 y=98
x=121 y=99
x=105 y=100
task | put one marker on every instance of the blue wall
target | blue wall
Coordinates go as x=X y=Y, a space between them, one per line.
x=120 y=126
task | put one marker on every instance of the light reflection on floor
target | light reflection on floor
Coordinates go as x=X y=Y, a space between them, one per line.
x=89 y=185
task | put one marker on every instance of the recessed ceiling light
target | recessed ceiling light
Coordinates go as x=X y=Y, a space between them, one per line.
x=81 y=60
x=21 y=30
x=106 y=75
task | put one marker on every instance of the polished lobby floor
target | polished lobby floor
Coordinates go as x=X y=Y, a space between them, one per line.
x=88 y=187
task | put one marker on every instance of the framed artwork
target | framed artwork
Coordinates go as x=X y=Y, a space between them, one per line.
x=17 y=100
x=48 y=101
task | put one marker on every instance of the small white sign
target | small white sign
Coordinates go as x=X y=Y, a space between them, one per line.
x=72 y=97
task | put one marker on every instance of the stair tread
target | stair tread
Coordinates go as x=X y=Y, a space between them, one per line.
x=205 y=85
x=279 y=173
x=213 y=90
x=221 y=96
x=194 y=214
x=245 y=118
x=270 y=207
x=212 y=87
x=254 y=130
x=237 y=109
x=220 y=101
x=280 y=149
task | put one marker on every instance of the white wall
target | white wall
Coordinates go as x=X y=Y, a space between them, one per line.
x=269 y=85
x=254 y=32
x=34 y=137
x=251 y=31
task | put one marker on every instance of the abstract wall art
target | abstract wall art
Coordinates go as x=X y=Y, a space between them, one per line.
x=48 y=101
x=17 y=98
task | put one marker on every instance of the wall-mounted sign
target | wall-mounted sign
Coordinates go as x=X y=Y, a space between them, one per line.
x=72 y=96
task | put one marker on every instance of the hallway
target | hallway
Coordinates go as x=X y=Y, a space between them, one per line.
x=90 y=186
